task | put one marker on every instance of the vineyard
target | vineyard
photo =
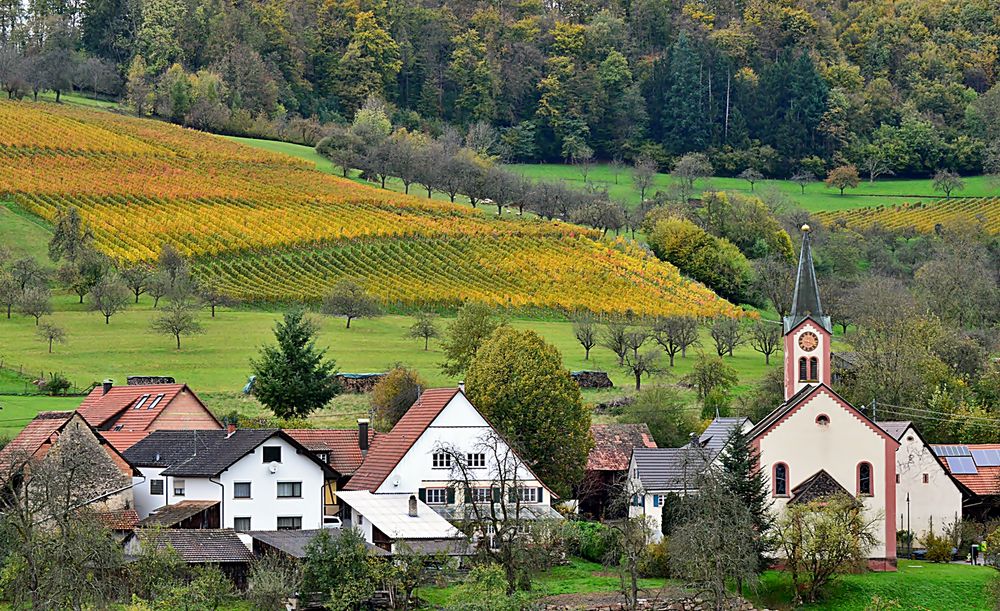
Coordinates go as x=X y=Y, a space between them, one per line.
x=922 y=217
x=270 y=228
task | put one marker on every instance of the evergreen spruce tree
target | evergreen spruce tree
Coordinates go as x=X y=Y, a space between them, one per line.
x=741 y=475
x=293 y=377
x=684 y=123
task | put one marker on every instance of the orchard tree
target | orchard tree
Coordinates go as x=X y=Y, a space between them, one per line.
x=690 y=168
x=69 y=236
x=83 y=272
x=35 y=301
x=293 y=377
x=425 y=328
x=675 y=334
x=947 y=181
x=803 y=178
x=765 y=338
x=50 y=334
x=711 y=373
x=643 y=173
x=109 y=296
x=639 y=362
x=212 y=295
x=843 y=177
x=613 y=337
x=727 y=333
x=137 y=278
x=9 y=291
x=585 y=331
x=753 y=176
x=178 y=319
x=473 y=325
x=350 y=300
x=519 y=383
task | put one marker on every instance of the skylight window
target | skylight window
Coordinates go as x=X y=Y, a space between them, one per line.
x=155 y=402
x=142 y=400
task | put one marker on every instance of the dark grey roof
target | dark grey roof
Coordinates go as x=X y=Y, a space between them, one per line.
x=670 y=468
x=205 y=453
x=781 y=410
x=199 y=545
x=896 y=428
x=818 y=486
x=715 y=436
x=805 y=300
x=294 y=542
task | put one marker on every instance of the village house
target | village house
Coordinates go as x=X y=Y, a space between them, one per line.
x=343 y=450
x=126 y=414
x=441 y=434
x=226 y=550
x=246 y=479
x=977 y=467
x=607 y=466
x=389 y=521
x=927 y=494
x=65 y=441
x=816 y=443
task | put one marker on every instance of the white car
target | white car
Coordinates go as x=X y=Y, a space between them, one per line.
x=332 y=522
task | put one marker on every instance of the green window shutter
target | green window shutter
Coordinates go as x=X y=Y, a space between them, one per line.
x=541 y=494
x=422 y=494
x=512 y=495
x=468 y=495
x=451 y=496
x=496 y=495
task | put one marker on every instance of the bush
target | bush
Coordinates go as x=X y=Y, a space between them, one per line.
x=588 y=540
x=656 y=561
x=57 y=384
x=394 y=394
x=938 y=547
x=485 y=589
x=272 y=581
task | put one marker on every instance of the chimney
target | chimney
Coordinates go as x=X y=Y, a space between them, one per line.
x=461 y=385
x=363 y=435
x=694 y=439
x=230 y=429
x=413 y=506
x=106 y=386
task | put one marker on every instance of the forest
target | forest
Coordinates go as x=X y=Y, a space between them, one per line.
x=779 y=86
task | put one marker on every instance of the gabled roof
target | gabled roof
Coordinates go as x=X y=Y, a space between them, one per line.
x=390 y=514
x=341 y=444
x=613 y=445
x=294 y=542
x=133 y=408
x=200 y=546
x=985 y=481
x=714 y=437
x=896 y=428
x=124 y=519
x=390 y=448
x=206 y=453
x=804 y=394
x=171 y=515
x=819 y=485
x=670 y=468
x=805 y=300
x=123 y=440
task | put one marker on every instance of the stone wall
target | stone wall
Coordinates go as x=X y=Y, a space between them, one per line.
x=592 y=379
x=358 y=382
x=147 y=380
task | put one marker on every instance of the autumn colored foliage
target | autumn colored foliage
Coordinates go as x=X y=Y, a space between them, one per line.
x=921 y=217
x=268 y=227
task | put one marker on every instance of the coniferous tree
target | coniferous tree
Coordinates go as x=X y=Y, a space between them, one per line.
x=684 y=124
x=293 y=377
x=742 y=476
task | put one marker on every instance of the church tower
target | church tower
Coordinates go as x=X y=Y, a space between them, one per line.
x=807 y=331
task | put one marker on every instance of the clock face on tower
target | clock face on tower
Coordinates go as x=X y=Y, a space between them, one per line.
x=808 y=341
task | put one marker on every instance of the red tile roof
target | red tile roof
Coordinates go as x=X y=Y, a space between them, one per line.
x=40 y=431
x=984 y=483
x=125 y=519
x=99 y=409
x=389 y=448
x=613 y=445
x=342 y=445
x=123 y=440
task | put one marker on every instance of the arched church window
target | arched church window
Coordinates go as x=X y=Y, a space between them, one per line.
x=803 y=372
x=864 y=479
x=814 y=368
x=780 y=479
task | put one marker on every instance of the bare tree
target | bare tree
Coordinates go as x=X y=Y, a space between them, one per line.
x=765 y=337
x=27 y=272
x=875 y=164
x=948 y=181
x=50 y=334
x=628 y=543
x=675 y=334
x=728 y=334
x=585 y=330
x=109 y=296
x=803 y=179
x=617 y=165
x=350 y=300
x=137 y=278
x=9 y=291
x=613 y=338
x=752 y=176
x=212 y=295
x=643 y=173
x=178 y=319
x=35 y=301
x=158 y=286
x=776 y=281
x=688 y=169
x=638 y=362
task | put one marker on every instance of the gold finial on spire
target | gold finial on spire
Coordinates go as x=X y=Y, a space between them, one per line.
x=806 y=228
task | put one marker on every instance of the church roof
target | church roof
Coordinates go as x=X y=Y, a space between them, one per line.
x=818 y=486
x=806 y=301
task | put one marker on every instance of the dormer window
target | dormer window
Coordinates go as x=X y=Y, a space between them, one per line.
x=823 y=420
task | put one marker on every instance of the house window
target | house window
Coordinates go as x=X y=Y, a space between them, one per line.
x=241 y=524
x=897 y=478
x=437 y=496
x=142 y=400
x=477 y=460
x=241 y=490
x=118 y=427
x=927 y=478
x=803 y=372
x=528 y=495
x=156 y=487
x=289 y=490
x=481 y=495
x=155 y=402
x=178 y=487
x=814 y=368
x=864 y=479
x=822 y=420
x=441 y=460
x=781 y=479
x=323 y=456
x=290 y=523
x=272 y=454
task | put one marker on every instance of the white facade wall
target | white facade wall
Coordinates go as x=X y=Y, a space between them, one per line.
x=938 y=498
x=461 y=426
x=263 y=507
x=838 y=448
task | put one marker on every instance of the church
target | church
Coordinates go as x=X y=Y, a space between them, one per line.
x=816 y=443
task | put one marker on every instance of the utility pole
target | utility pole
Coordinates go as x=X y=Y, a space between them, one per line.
x=909 y=533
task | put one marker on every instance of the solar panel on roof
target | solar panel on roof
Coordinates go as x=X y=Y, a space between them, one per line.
x=986 y=458
x=952 y=451
x=962 y=465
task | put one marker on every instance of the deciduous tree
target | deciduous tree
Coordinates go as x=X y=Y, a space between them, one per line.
x=178 y=318
x=350 y=300
x=475 y=322
x=35 y=301
x=585 y=331
x=393 y=395
x=765 y=338
x=947 y=181
x=675 y=334
x=50 y=334
x=843 y=177
x=425 y=328
x=109 y=296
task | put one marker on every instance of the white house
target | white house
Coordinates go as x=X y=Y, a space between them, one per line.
x=656 y=472
x=260 y=479
x=926 y=492
x=816 y=443
x=441 y=443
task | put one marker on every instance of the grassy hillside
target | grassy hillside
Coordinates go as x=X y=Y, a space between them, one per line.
x=817 y=197
x=270 y=227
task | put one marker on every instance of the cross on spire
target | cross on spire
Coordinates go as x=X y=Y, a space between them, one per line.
x=805 y=300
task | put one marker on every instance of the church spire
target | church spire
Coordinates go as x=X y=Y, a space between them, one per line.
x=805 y=300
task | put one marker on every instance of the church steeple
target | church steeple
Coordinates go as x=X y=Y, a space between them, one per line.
x=805 y=300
